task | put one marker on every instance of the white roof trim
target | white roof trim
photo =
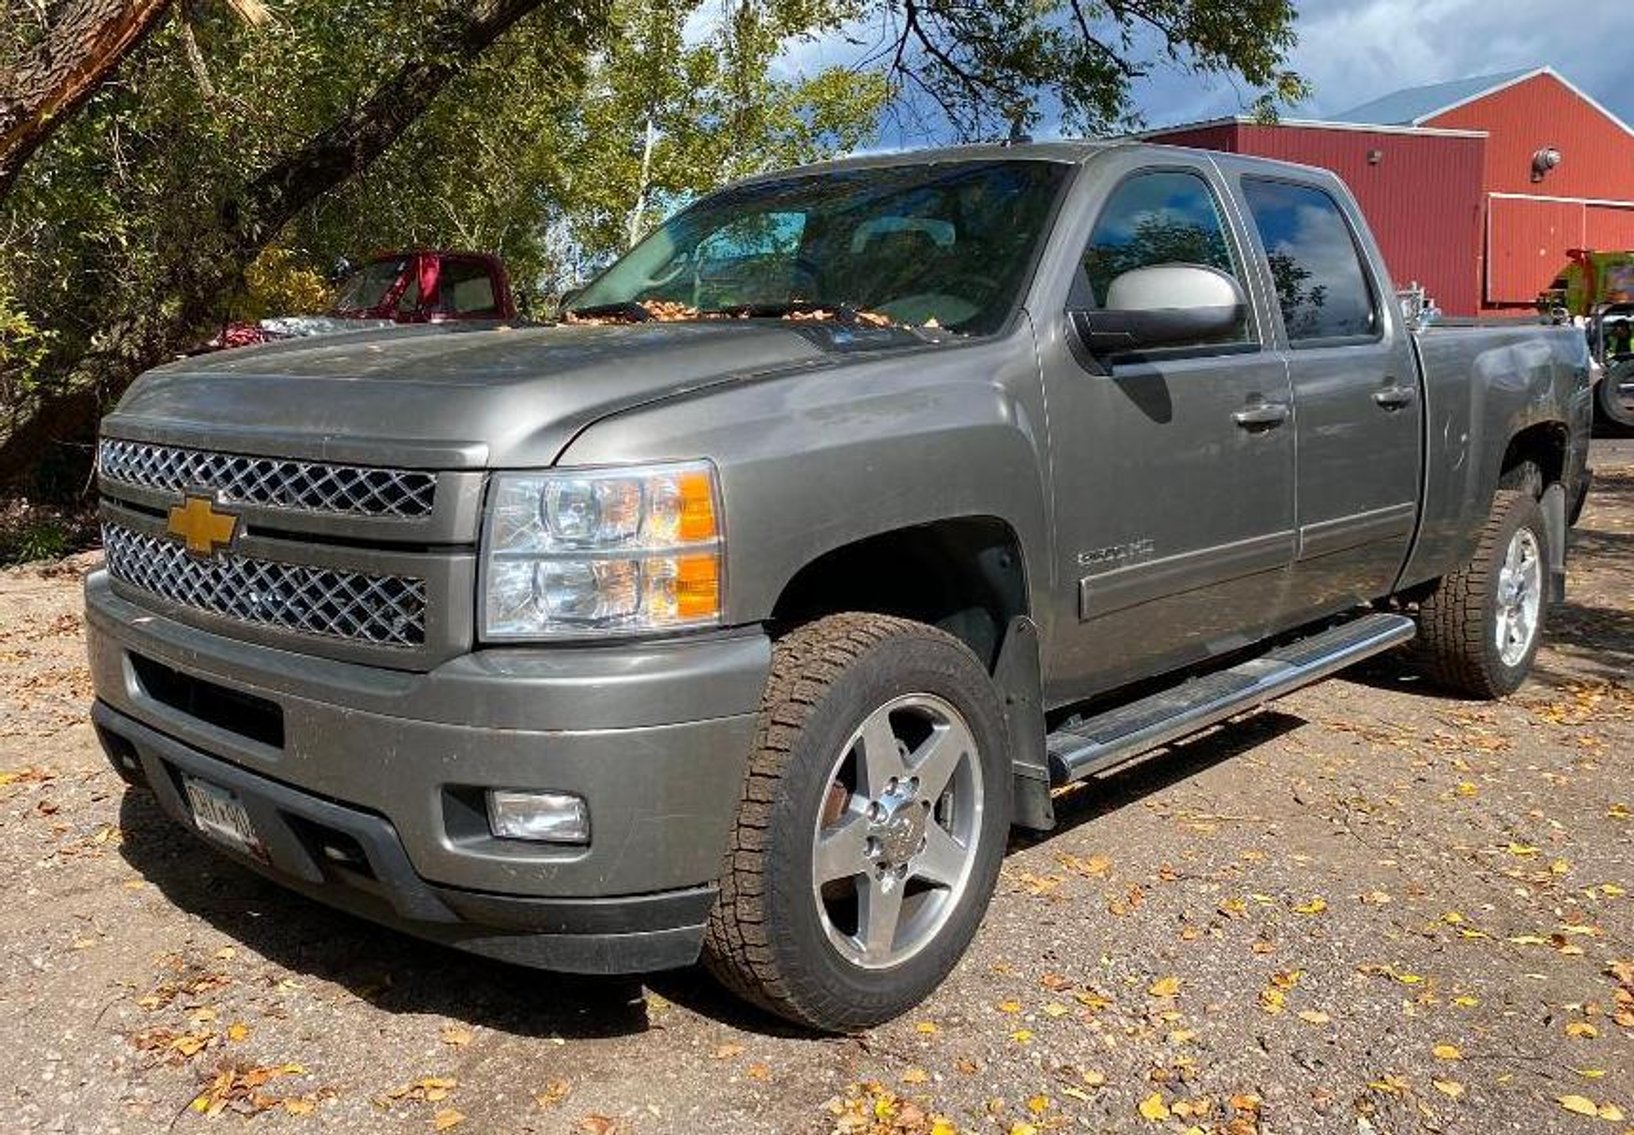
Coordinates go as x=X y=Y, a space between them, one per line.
x=1314 y=124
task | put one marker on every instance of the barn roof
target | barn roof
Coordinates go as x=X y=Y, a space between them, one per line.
x=1414 y=105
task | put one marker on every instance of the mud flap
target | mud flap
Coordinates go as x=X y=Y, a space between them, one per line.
x=1020 y=683
x=1554 y=519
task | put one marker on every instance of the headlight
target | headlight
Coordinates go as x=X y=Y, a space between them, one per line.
x=581 y=552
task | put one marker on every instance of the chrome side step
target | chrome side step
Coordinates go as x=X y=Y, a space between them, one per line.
x=1115 y=736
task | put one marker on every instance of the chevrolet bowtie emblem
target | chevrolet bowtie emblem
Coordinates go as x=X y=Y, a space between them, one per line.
x=201 y=527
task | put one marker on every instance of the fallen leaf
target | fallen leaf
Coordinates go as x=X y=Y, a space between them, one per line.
x=1447 y=1052
x=915 y=1076
x=926 y=1028
x=1610 y=1112
x=446 y=1118
x=1580 y=1105
x=759 y=1071
x=1164 y=987
x=728 y=1050
x=1038 y=1105
x=555 y=1092
x=237 y=1031
x=1153 y=1108
x=456 y=1035
x=1314 y=1017
x=597 y=1124
x=1582 y=1029
x=1009 y=1006
x=1450 y=1088
x=1314 y=906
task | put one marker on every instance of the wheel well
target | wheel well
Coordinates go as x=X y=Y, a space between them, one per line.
x=1544 y=445
x=964 y=575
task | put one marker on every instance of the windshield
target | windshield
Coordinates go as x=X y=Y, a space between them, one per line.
x=368 y=286
x=944 y=245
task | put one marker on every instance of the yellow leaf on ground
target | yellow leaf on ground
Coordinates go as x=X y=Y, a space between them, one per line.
x=1055 y=1009
x=915 y=1076
x=1580 y=1105
x=1610 y=1112
x=926 y=1028
x=1094 y=1079
x=1582 y=1029
x=457 y=1035
x=1447 y=1052
x=942 y=1125
x=1019 y=1128
x=1590 y=1073
x=1009 y=1006
x=446 y=1118
x=1315 y=906
x=238 y=1030
x=1038 y=1105
x=1522 y=850
x=1022 y=1036
x=1314 y=1017
x=1465 y=1001
x=555 y=1092
x=1164 y=987
x=1153 y=1108
x=1451 y=1088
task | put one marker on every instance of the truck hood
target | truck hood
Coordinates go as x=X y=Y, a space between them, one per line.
x=459 y=397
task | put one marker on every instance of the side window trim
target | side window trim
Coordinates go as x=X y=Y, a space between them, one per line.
x=1375 y=287
x=1242 y=260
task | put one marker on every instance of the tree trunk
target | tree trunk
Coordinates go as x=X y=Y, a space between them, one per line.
x=85 y=41
x=252 y=219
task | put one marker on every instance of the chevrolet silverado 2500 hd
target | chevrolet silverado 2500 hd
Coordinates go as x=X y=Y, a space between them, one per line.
x=748 y=631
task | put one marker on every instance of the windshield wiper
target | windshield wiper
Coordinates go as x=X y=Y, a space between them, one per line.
x=841 y=312
x=625 y=309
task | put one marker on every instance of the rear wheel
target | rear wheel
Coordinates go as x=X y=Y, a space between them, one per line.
x=1480 y=628
x=871 y=826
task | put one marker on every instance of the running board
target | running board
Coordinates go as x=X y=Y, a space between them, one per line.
x=1110 y=738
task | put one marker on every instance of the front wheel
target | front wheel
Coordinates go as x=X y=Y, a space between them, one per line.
x=871 y=825
x=1479 y=629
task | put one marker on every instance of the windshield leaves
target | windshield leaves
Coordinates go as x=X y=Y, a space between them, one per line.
x=944 y=245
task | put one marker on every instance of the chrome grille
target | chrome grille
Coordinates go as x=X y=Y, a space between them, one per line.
x=383 y=610
x=272 y=482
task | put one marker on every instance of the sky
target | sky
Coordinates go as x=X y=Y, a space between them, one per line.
x=1352 y=51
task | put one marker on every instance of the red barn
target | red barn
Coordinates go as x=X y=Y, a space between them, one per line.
x=1475 y=188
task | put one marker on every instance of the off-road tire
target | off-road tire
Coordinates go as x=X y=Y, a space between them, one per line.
x=765 y=940
x=1614 y=415
x=1457 y=622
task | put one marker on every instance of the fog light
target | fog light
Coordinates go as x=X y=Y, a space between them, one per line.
x=548 y=817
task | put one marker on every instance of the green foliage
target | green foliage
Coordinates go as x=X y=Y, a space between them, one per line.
x=37 y=540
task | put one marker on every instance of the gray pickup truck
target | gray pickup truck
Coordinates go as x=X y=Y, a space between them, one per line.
x=849 y=515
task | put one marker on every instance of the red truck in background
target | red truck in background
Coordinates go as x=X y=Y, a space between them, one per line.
x=408 y=286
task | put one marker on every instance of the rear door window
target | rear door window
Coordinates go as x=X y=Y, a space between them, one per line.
x=1321 y=283
x=467 y=288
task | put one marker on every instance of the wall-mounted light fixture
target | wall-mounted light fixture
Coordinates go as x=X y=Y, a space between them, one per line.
x=1543 y=161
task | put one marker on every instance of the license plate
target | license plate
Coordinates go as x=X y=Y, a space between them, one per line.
x=220 y=814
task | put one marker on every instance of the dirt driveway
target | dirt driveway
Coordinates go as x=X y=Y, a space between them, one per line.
x=1370 y=909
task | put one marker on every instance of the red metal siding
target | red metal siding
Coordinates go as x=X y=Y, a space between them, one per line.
x=1422 y=198
x=1607 y=227
x=1526 y=246
x=1220 y=136
x=1597 y=154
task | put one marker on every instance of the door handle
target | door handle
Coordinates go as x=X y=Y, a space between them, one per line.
x=1393 y=397
x=1261 y=415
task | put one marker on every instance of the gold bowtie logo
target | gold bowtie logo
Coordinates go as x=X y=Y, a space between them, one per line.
x=201 y=527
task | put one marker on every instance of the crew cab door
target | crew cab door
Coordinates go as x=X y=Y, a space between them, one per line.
x=1172 y=470
x=1357 y=402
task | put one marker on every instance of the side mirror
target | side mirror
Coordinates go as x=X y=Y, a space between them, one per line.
x=1165 y=305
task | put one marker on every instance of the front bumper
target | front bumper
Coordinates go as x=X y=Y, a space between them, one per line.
x=365 y=785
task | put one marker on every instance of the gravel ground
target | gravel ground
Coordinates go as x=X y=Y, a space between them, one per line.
x=1369 y=909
